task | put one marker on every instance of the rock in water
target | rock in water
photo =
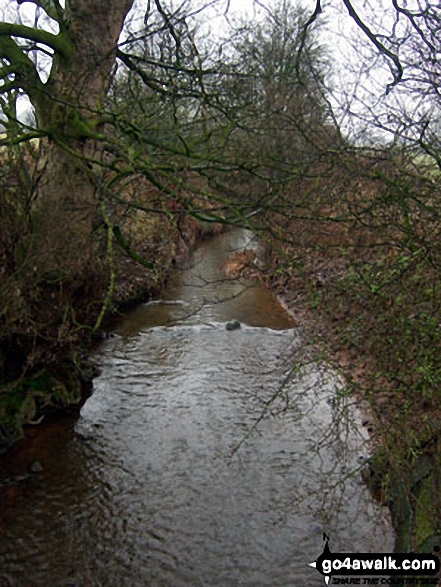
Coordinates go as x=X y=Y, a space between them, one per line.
x=36 y=467
x=233 y=325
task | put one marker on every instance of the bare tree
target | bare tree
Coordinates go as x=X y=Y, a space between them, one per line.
x=396 y=89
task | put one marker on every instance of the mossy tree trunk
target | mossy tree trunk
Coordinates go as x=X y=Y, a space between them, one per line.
x=68 y=113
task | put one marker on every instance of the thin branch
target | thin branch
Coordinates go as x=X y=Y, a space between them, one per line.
x=129 y=62
x=24 y=137
x=398 y=74
x=112 y=272
x=411 y=17
x=52 y=8
x=318 y=10
x=128 y=249
x=26 y=75
x=5 y=71
x=170 y=27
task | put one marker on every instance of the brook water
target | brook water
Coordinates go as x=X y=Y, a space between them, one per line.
x=205 y=457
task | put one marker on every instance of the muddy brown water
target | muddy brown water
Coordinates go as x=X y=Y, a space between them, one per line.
x=205 y=457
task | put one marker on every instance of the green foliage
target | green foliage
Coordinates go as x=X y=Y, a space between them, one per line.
x=28 y=399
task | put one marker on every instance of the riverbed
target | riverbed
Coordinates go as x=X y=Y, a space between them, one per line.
x=205 y=456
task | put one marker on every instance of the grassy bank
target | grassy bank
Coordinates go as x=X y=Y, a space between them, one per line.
x=358 y=263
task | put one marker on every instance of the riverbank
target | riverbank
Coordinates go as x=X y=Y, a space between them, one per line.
x=46 y=369
x=340 y=321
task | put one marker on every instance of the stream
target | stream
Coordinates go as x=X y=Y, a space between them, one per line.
x=204 y=458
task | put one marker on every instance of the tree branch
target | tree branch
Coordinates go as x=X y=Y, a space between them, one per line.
x=21 y=31
x=5 y=71
x=318 y=10
x=411 y=17
x=22 y=138
x=26 y=75
x=128 y=61
x=170 y=27
x=52 y=8
x=128 y=249
x=398 y=74
x=9 y=87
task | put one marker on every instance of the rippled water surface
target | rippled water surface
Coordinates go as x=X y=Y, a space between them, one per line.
x=205 y=457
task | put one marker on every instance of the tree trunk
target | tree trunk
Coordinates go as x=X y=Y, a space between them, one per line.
x=65 y=213
x=69 y=109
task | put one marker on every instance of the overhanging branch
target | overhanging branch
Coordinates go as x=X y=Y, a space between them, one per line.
x=170 y=27
x=412 y=16
x=398 y=73
x=22 y=31
x=51 y=7
x=148 y=81
x=318 y=10
x=26 y=75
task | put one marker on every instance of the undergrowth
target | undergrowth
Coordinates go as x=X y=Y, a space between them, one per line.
x=367 y=276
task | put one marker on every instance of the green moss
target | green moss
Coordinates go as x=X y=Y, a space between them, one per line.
x=66 y=123
x=412 y=490
x=41 y=382
x=402 y=515
x=426 y=531
x=27 y=400
x=11 y=399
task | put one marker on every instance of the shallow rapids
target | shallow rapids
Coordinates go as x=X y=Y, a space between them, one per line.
x=204 y=458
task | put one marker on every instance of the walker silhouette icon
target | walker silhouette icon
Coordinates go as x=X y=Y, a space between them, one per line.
x=317 y=564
